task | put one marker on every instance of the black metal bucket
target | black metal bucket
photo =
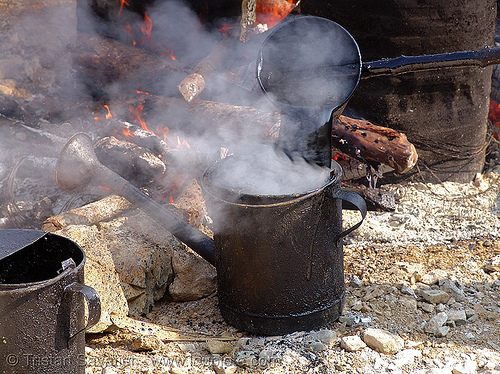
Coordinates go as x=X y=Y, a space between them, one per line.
x=279 y=258
x=41 y=305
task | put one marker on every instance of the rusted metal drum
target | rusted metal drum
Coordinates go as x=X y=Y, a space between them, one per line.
x=279 y=258
x=42 y=320
x=444 y=112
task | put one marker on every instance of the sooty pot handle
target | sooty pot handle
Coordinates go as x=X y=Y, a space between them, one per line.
x=93 y=303
x=354 y=199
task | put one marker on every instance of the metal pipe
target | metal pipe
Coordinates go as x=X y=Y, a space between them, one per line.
x=77 y=165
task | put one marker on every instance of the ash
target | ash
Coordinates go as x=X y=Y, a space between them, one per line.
x=434 y=213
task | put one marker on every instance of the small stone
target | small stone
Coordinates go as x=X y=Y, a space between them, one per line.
x=405 y=290
x=428 y=308
x=219 y=347
x=435 y=296
x=146 y=343
x=327 y=337
x=314 y=346
x=372 y=292
x=409 y=303
x=88 y=350
x=473 y=318
x=442 y=331
x=178 y=370
x=479 y=309
x=352 y=343
x=349 y=319
x=434 y=325
x=357 y=305
x=493 y=265
x=451 y=288
x=221 y=368
x=433 y=277
x=440 y=308
x=246 y=359
x=407 y=357
x=355 y=282
x=457 y=316
x=109 y=370
x=382 y=341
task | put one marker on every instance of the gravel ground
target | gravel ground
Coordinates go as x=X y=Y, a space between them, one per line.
x=423 y=296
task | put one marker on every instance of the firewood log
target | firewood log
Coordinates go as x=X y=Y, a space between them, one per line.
x=194 y=84
x=371 y=143
x=202 y=115
x=90 y=214
x=132 y=162
x=106 y=61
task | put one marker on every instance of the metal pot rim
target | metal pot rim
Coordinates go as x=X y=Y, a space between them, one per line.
x=275 y=200
x=31 y=286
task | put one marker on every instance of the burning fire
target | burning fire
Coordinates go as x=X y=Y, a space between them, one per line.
x=146 y=35
x=271 y=12
x=108 y=115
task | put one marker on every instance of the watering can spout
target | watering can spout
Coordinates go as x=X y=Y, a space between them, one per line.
x=78 y=165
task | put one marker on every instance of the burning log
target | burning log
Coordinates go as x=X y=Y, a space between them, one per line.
x=130 y=161
x=108 y=61
x=248 y=18
x=193 y=85
x=137 y=135
x=373 y=144
x=203 y=115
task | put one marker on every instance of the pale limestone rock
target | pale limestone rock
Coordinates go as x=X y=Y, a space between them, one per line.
x=382 y=341
x=219 y=347
x=352 y=343
x=100 y=272
x=194 y=278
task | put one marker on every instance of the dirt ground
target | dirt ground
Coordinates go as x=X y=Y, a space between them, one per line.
x=384 y=282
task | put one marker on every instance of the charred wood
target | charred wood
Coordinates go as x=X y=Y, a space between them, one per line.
x=132 y=162
x=373 y=144
x=137 y=135
x=104 y=61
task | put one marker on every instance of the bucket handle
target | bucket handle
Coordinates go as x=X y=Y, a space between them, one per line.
x=354 y=199
x=93 y=303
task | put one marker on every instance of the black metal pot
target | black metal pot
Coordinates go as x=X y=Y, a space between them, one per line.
x=279 y=258
x=41 y=304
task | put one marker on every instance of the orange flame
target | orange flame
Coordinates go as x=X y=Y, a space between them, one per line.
x=272 y=12
x=108 y=115
x=122 y=3
x=147 y=27
x=137 y=114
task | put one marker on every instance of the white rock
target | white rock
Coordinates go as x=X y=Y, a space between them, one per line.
x=219 y=347
x=220 y=368
x=382 y=341
x=434 y=325
x=467 y=367
x=406 y=357
x=352 y=343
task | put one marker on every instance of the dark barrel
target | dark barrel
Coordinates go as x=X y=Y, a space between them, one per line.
x=443 y=112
